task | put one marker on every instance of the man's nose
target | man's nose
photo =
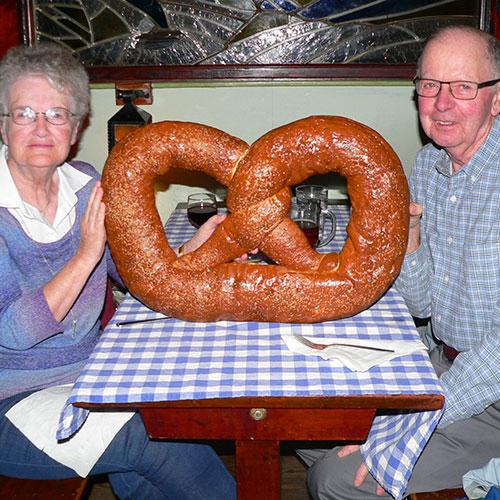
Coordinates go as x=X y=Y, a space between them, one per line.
x=445 y=98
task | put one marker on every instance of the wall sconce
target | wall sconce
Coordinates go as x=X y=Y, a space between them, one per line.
x=130 y=116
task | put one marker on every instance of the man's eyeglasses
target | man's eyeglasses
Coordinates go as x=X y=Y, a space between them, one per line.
x=27 y=116
x=426 y=87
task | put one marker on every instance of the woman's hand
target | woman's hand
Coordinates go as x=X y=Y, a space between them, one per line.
x=92 y=230
x=416 y=211
x=62 y=291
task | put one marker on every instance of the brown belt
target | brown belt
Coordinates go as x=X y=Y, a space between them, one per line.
x=449 y=352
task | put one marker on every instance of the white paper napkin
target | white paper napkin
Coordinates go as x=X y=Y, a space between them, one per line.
x=37 y=417
x=358 y=360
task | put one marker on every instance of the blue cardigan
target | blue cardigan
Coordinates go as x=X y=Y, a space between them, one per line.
x=36 y=351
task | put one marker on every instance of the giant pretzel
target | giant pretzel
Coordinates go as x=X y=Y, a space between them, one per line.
x=306 y=286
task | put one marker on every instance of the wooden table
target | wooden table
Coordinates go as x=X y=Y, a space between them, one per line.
x=257 y=425
x=239 y=381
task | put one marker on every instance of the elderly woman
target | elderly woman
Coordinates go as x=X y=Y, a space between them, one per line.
x=53 y=270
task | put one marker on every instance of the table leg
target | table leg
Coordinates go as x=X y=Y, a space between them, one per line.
x=258 y=469
x=257 y=432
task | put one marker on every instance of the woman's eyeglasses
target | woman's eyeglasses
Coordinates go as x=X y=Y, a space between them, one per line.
x=426 y=87
x=27 y=116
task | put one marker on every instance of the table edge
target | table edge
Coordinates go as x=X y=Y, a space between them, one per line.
x=378 y=401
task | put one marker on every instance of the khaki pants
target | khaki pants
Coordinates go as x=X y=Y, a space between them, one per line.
x=449 y=454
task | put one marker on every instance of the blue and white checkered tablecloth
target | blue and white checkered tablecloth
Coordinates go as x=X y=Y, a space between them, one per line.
x=179 y=360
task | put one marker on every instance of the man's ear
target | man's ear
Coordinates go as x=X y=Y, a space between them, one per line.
x=495 y=106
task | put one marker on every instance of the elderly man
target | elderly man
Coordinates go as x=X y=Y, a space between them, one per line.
x=451 y=271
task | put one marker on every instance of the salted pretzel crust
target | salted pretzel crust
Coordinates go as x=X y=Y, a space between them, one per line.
x=305 y=286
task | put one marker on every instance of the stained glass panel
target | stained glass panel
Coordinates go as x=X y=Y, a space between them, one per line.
x=246 y=32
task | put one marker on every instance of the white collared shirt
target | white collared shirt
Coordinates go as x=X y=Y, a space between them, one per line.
x=31 y=219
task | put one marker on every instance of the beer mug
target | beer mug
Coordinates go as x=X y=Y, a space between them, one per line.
x=308 y=216
x=318 y=194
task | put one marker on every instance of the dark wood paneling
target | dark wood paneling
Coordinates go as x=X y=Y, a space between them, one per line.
x=236 y=73
x=9 y=33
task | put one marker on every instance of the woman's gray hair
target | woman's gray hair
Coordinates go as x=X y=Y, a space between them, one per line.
x=63 y=71
x=492 y=44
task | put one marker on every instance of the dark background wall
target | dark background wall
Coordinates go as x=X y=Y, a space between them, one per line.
x=9 y=34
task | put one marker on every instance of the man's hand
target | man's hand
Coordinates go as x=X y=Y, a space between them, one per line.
x=205 y=231
x=362 y=472
x=415 y=210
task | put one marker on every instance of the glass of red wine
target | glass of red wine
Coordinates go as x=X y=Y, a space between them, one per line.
x=200 y=207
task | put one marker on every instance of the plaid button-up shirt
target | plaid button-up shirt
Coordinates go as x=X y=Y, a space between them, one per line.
x=454 y=276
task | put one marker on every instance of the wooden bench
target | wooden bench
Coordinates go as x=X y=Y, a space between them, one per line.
x=12 y=488
x=439 y=495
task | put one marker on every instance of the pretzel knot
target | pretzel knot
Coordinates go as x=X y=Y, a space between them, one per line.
x=305 y=286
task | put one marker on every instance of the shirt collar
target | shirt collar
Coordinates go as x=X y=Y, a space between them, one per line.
x=443 y=165
x=473 y=168
x=71 y=181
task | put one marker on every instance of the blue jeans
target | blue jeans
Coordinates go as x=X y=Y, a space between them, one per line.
x=138 y=468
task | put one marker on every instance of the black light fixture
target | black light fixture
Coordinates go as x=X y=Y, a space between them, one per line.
x=129 y=117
